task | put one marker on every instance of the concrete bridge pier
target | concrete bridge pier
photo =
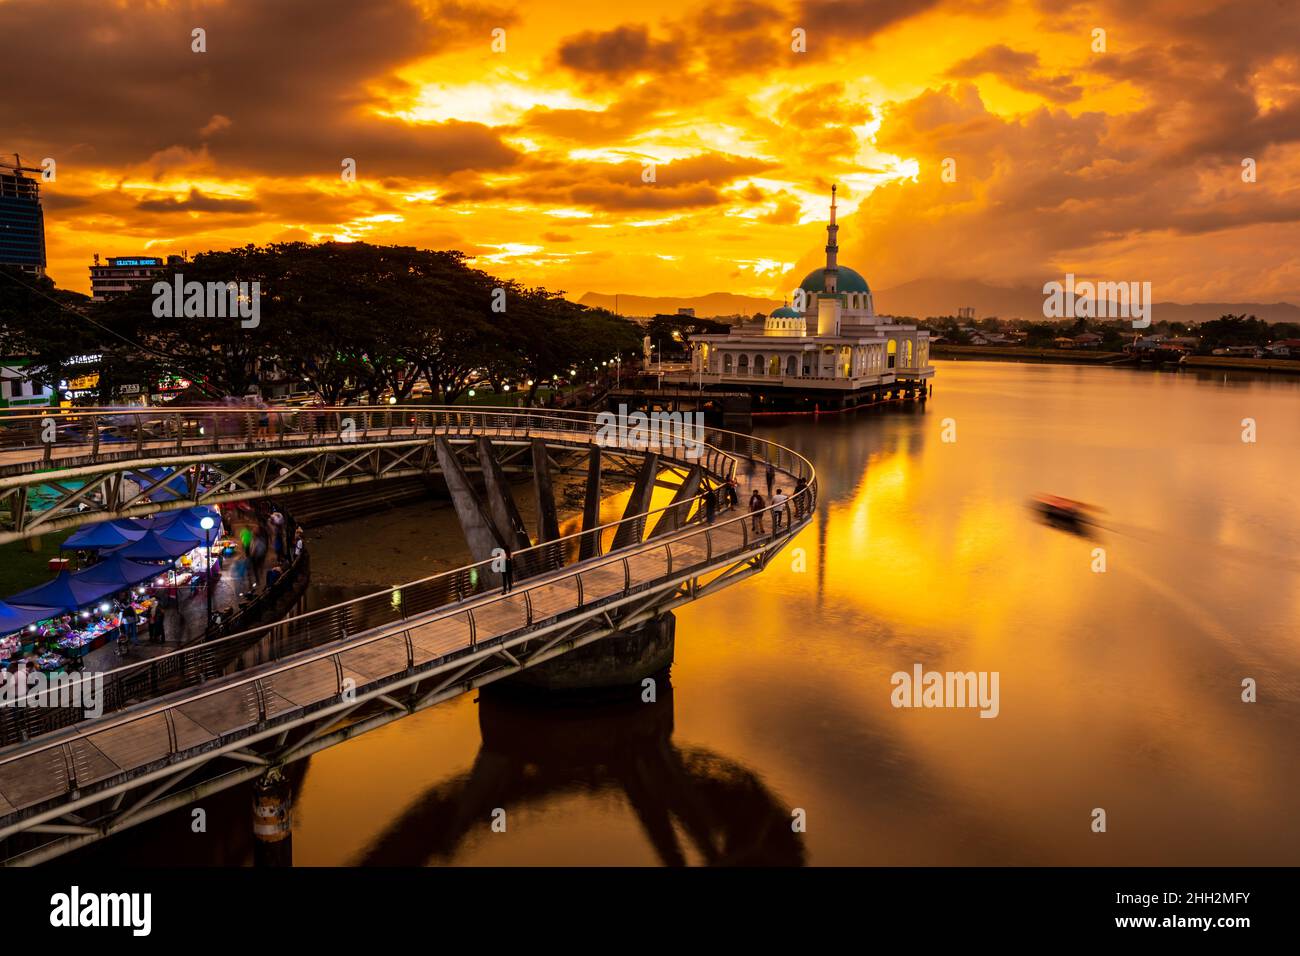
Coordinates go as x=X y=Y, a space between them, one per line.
x=272 y=819
x=614 y=666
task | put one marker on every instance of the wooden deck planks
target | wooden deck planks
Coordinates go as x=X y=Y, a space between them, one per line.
x=549 y=600
x=437 y=638
x=136 y=743
x=32 y=779
x=377 y=659
x=220 y=713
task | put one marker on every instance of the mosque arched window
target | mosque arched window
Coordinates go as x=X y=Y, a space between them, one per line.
x=744 y=365
x=791 y=366
x=893 y=350
x=774 y=366
x=726 y=364
x=758 y=365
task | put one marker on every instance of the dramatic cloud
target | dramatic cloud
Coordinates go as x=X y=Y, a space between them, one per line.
x=1017 y=69
x=619 y=52
x=971 y=139
x=196 y=202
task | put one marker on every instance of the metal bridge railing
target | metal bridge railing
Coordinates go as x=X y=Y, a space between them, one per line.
x=34 y=442
x=238 y=707
x=193 y=666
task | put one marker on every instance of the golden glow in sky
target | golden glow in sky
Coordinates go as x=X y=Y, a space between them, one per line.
x=680 y=148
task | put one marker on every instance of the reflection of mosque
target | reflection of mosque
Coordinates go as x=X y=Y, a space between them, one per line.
x=534 y=753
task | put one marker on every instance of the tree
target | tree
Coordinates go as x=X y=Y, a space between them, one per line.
x=46 y=326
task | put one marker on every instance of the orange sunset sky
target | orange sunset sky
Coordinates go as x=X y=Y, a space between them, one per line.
x=1122 y=164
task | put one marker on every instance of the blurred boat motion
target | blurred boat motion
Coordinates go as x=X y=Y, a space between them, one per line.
x=1065 y=512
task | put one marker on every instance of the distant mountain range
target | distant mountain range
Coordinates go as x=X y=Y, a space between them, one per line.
x=927 y=297
x=715 y=303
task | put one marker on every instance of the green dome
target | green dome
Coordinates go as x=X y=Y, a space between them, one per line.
x=848 y=281
x=784 y=312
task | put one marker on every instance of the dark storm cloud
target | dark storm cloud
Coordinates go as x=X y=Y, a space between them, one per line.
x=694 y=51
x=196 y=202
x=618 y=52
x=684 y=184
x=1019 y=70
x=856 y=19
x=283 y=87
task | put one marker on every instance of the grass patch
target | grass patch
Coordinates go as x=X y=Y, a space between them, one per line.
x=21 y=569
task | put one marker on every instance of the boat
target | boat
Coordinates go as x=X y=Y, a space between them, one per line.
x=1065 y=511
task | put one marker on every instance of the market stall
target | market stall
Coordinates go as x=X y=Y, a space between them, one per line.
x=77 y=611
x=59 y=622
x=191 y=565
x=14 y=621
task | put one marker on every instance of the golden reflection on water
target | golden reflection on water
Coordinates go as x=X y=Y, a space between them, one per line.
x=1119 y=690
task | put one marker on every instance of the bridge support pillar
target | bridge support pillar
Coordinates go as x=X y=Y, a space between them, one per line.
x=480 y=533
x=501 y=505
x=614 y=665
x=272 y=820
x=632 y=532
x=674 y=516
x=590 y=544
x=548 y=519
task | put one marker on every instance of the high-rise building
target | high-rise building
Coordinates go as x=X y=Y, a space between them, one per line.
x=22 y=223
x=121 y=274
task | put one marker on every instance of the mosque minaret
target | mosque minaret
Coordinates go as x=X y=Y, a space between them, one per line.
x=829 y=348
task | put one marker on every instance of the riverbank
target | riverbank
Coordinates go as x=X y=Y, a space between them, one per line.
x=1282 y=366
x=1054 y=356
x=1088 y=357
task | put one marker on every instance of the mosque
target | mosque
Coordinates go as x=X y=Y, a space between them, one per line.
x=829 y=349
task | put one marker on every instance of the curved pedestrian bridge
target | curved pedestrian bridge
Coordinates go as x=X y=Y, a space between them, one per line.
x=211 y=716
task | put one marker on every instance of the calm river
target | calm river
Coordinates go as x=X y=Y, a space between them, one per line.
x=1118 y=689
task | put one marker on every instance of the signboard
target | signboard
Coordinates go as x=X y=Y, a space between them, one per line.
x=172 y=383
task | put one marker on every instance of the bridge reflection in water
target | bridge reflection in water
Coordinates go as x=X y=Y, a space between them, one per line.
x=691 y=803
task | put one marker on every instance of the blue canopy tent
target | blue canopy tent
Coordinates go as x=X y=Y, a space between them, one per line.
x=193 y=515
x=185 y=524
x=66 y=592
x=117 y=573
x=104 y=534
x=155 y=547
x=180 y=488
x=15 y=618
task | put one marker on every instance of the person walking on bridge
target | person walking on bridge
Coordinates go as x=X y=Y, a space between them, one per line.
x=771 y=478
x=710 y=505
x=800 y=497
x=733 y=496
x=756 y=509
x=780 y=508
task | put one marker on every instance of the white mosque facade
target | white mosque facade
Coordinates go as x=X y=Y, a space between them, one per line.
x=831 y=341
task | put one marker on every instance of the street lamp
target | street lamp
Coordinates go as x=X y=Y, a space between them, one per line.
x=206 y=523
